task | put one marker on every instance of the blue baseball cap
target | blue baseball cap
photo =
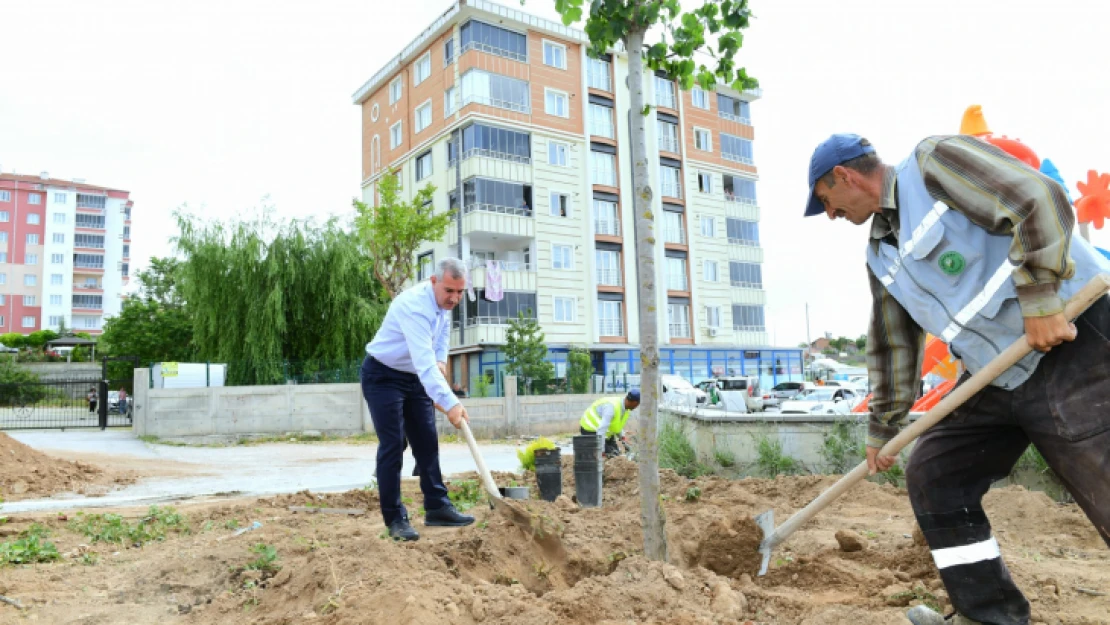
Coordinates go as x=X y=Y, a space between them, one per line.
x=832 y=152
x=634 y=395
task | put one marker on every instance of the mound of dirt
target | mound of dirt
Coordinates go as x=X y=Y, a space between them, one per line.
x=26 y=473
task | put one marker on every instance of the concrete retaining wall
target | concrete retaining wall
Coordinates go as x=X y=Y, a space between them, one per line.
x=335 y=409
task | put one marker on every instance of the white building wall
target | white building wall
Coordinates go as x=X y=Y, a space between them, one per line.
x=50 y=249
x=113 y=257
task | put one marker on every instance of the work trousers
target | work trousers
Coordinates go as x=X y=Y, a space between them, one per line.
x=1063 y=409
x=400 y=408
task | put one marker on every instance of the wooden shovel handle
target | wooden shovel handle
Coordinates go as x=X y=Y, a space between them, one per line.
x=487 y=479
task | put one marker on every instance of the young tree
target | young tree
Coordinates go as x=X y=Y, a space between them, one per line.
x=393 y=231
x=158 y=282
x=148 y=331
x=579 y=370
x=861 y=342
x=526 y=352
x=680 y=36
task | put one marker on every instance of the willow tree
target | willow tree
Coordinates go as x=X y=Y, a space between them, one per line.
x=679 y=36
x=268 y=295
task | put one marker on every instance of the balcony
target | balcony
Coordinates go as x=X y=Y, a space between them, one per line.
x=515 y=276
x=607 y=226
x=671 y=189
x=678 y=330
x=482 y=163
x=730 y=197
x=737 y=158
x=735 y=118
x=668 y=144
x=674 y=234
x=606 y=177
x=609 y=277
x=501 y=220
x=678 y=283
x=88 y=287
x=610 y=327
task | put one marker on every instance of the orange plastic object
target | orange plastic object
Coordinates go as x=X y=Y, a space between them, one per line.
x=1016 y=149
x=1093 y=206
x=931 y=398
x=938 y=360
x=863 y=405
x=973 y=122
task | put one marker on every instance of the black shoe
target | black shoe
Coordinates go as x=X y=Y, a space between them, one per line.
x=447 y=516
x=401 y=529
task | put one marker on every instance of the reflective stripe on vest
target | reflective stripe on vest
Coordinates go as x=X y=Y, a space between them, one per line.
x=919 y=233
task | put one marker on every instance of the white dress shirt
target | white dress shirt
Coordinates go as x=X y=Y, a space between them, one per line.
x=414 y=337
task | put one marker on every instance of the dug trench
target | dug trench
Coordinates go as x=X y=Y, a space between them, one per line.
x=334 y=568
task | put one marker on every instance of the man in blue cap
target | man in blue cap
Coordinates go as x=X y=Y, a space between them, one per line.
x=975 y=247
x=607 y=416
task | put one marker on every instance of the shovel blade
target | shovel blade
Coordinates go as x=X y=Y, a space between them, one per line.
x=766 y=523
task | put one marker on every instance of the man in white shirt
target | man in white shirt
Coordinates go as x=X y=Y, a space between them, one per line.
x=403 y=381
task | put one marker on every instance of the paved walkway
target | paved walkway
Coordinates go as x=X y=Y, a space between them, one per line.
x=236 y=470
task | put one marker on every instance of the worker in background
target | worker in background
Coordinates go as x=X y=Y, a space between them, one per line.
x=974 y=246
x=607 y=416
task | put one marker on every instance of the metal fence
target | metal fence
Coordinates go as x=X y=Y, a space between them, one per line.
x=74 y=403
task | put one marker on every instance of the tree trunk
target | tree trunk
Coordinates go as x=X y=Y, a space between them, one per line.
x=651 y=509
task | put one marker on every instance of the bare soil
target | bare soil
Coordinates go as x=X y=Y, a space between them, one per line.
x=338 y=569
x=26 y=473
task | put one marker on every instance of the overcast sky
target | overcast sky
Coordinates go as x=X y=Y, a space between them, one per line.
x=220 y=103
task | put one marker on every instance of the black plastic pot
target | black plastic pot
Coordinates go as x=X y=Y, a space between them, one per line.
x=588 y=463
x=549 y=473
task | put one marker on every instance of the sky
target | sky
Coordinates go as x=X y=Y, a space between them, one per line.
x=224 y=105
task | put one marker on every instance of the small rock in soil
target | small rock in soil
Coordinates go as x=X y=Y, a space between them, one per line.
x=850 y=541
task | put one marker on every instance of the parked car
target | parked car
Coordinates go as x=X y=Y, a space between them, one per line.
x=748 y=386
x=826 y=400
x=679 y=388
x=782 y=392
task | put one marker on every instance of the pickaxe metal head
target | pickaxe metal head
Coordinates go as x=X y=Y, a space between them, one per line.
x=766 y=523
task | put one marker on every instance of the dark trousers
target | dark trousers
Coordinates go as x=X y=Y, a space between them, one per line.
x=611 y=447
x=1063 y=409
x=401 y=409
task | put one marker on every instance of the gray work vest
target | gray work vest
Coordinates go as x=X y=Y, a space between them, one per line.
x=955 y=278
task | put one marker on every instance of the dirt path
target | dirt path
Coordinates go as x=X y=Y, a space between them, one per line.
x=26 y=473
x=339 y=570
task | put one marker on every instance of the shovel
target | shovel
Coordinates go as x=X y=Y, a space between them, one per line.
x=773 y=537
x=530 y=523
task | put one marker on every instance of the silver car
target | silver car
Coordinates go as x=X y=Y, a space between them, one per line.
x=782 y=392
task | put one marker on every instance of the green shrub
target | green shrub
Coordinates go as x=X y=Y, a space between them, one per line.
x=676 y=452
x=266 y=560
x=843 y=447
x=772 y=461
x=30 y=548
x=725 y=458
x=464 y=494
x=112 y=528
x=527 y=455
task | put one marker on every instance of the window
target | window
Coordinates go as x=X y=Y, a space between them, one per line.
x=30 y=279
x=699 y=98
x=4 y=217
x=673 y=231
x=30 y=259
x=555 y=103
x=3 y=278
x=669 y=181
x=33 y=219
x=32 y=239
x=448 y=52
x=562 y=256
x=747 y=275
x=733 y=109
x=126 y=251
x=491 y=39
x=495 y=90
x=423 y=69
x=608 y=267
x=55 y=320
x=60 y=218
x=2 y=320
x=28 y=322
x=558 y=154
x=555 y=54
x=395 y=90
x=713 y=316
x=709 y=269
x=450 y=101
x=92 y=322
x=740 y=190
x=55 y=279
x=55 y=300
x=95 y=241
x=123 y=269
x=5 y=196
x=668 y=136
x=88 y=261
x=678 y=320
x=708 y=227
x=676 y=274
x=425 y=265
x=493 y=142
x=28 y=300
x=423 y=116
x=598 y=74
x=496 y=196
x=603 y=169
x=34 y=198
x=85 y=200
x=743 y=232
x=560 y=204
x=127 y=232
x=95 y=302
x=57 y=259
x=565 y=309
x=3 y=257
x=3 y=237
x=609 y=321
x=601 y=121
x=703 y=139
x=705 y=182
x=747 y=318
x=664 y=92
x=59 y=198
x=423 y=165
x=605 y=218
x=395 y=136
x=736 y=149
x=89 y=221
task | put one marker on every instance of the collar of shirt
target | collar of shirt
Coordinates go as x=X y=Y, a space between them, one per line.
x=885 y=222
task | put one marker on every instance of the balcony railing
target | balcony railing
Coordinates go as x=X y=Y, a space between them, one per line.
x=484 y=47
x=746 y=285
x=730 y=197
x=602 y=129
x=674 y=235
x=668 y=144
x=611 y=227
x=609 y=277
x=677 y=283
x=679 y=330
x=88 y=266
x=744 y=242
x=610 y=327
x=606 y=177
x=735 y=118
x=671 y=189
x=736 y=158
x=665 y=98
x=498 y=103
x=598 y=76
x=501 y=156
x=484 y=321
x=520 y=211
x=87 y=287
x=506 y=265
x=744 y=328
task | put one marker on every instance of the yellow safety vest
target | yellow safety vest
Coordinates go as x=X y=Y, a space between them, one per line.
x=591 y=420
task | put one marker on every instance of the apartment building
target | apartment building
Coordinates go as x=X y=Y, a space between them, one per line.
x=64 y=253
x=507 y=110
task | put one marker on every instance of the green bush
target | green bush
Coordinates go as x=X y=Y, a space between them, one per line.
x=579 y=370
x=527 y=455
x=772 y=461
x=843 y=447
x=676 y=452
x=725 y=458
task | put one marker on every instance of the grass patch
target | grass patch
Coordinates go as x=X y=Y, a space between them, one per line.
x=726 y=459
x=464 y=494
x=266 y=560
x=772 y=461
x=112 y=528
x=919 y=593
x=843 y=447
x=31 y=547
x=676 y=452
